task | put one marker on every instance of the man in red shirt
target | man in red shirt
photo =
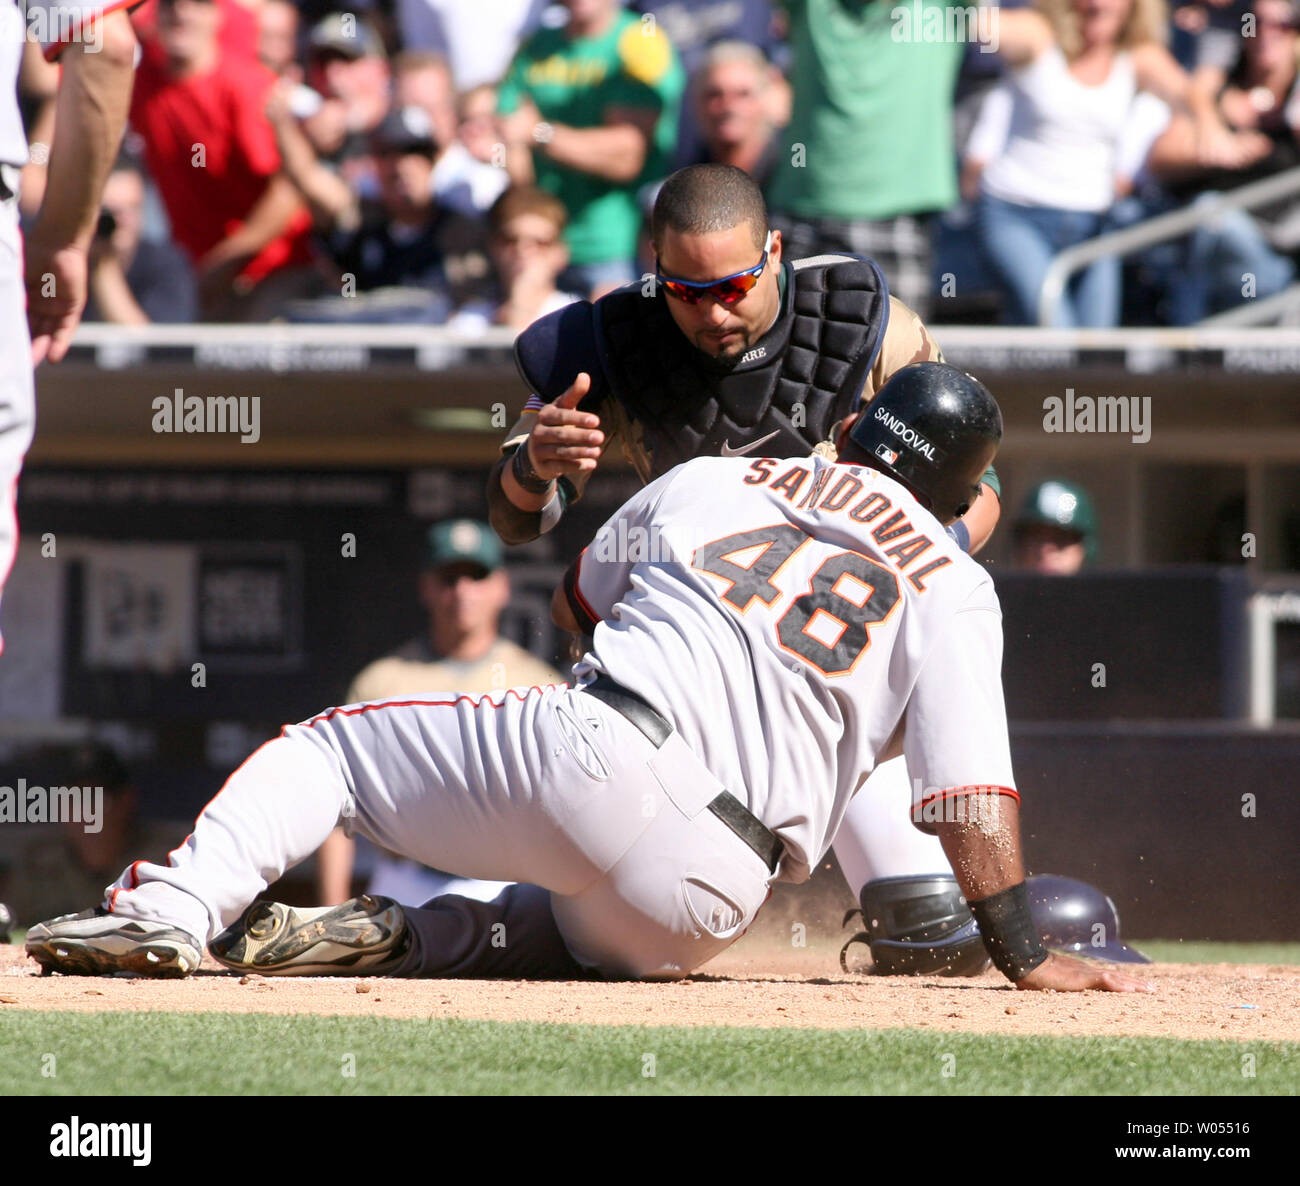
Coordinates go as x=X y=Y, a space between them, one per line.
x=240 y=24
x=212 y=153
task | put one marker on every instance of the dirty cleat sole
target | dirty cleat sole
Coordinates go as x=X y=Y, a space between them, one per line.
x=96 y=943
x=365 y=936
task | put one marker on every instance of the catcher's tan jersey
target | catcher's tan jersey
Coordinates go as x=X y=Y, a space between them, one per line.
x=788 y=616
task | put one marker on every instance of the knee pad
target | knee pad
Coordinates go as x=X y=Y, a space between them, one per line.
x=918 y=926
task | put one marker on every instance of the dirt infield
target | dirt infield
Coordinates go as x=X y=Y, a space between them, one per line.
x=762 y=981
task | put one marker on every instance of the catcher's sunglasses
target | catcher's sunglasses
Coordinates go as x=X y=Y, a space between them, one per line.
x=726 y=291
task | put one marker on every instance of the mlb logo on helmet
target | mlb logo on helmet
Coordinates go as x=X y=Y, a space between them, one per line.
x=886 y=454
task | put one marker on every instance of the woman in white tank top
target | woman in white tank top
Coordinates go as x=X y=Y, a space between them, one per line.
x=1075 y=67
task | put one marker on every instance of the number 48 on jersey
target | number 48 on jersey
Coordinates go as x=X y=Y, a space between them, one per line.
x=829 y=625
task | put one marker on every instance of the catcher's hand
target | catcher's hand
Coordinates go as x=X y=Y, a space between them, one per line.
x=1061 y=973
x=564 y=440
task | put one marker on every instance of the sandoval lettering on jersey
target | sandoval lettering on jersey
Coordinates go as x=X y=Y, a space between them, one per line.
x=906 y=542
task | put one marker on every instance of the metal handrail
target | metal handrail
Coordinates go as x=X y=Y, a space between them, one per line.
x=1156 y=230
x=1256 y=312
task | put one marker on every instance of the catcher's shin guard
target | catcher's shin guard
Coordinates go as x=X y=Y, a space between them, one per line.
x=917 y=926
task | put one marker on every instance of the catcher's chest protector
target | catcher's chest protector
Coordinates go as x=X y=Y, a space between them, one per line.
x=801 y=377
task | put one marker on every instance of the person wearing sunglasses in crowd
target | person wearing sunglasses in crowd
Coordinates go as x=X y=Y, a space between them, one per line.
x=731 y=349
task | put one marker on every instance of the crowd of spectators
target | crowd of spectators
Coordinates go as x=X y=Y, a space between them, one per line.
x=450 y=162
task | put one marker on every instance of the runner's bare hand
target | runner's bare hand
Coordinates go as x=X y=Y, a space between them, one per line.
x=1060 y=973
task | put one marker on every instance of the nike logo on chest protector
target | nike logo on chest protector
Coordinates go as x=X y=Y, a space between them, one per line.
x=728 y=451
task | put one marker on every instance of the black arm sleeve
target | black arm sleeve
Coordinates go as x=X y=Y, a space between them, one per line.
x=513 y=525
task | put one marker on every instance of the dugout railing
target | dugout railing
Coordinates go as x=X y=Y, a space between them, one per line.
x=1164 y=227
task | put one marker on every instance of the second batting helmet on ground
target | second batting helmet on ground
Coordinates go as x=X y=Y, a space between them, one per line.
x=1077 y=918
x=936 y=429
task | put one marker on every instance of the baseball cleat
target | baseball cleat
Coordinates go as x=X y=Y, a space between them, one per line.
x=365 y=936
x=97 y=943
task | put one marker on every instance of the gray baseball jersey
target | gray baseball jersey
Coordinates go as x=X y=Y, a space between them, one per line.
x=17 y=387
x=17 y=398
x=788 y=617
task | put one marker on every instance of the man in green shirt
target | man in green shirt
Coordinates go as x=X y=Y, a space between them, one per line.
x=869 y=150
x=589 y=113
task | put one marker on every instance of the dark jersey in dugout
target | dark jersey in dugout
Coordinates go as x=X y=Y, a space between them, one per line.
x=786 y=392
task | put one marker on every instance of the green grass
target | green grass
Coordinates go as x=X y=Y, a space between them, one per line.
x=1180 y=951
x=266 y=1055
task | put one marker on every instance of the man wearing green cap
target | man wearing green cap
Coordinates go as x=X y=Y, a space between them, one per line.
x=464 y=587
x=1056 y=530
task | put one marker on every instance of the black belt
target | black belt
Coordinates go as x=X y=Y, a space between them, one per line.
x=730 y=810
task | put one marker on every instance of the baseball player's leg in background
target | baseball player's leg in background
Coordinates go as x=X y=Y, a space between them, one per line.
x=17 y=398
x=914 y=918
x=465 y=927
x=411 y=884
x=551 y=788
x=877 y=838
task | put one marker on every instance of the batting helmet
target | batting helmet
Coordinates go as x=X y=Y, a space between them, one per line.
x=936 y=429
x=1075 y=917
x=1055 y=503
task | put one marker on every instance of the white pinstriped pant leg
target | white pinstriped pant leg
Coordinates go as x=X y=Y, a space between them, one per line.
x=876 y=837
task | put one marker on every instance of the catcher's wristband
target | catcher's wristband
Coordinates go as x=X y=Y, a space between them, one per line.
x=1007 y=928
x=521 y=466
